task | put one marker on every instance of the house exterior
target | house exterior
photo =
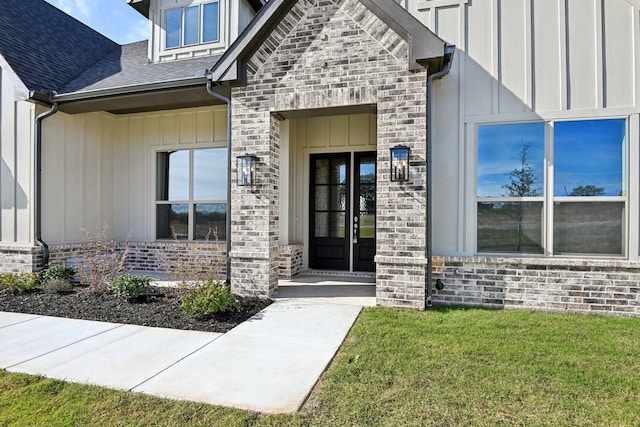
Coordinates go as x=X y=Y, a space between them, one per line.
x=275 y=123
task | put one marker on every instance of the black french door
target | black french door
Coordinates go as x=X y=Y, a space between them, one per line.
x=339 y=228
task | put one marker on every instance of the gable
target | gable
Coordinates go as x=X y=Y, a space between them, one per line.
x=272 y=25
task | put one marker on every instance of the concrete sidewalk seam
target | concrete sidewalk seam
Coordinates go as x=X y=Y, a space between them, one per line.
x=132 y=389
x=35 y=316
x=116 y=326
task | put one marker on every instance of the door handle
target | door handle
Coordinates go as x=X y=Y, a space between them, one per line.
x=355 y=230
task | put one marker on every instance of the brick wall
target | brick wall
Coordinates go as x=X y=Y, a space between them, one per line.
x=20 y=258
x=591 y=286
x=157 y=256
x=326 y=54
x=290 y=264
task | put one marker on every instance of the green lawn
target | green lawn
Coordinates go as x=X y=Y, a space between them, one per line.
x=397 y=367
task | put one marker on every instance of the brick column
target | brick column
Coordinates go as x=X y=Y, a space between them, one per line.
x=254 y=210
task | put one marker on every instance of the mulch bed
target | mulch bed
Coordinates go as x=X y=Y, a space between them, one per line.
x=161 y=308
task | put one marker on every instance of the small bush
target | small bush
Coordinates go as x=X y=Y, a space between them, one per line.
x=59 y=271
x=212 y=297
x=19 y=283
x=130 y=287
x=57 y=285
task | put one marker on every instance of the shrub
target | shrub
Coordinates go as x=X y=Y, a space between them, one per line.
x=57 y=285
x=101 y=261
x=130 y=287
x=59 y=271
x=19 y=282
x=212 y=297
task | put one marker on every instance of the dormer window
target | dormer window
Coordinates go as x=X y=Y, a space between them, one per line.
x=192 y=25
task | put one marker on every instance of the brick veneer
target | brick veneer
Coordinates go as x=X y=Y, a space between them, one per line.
x=593 y=286
x=291 y=261
x=16 y=258
x=324 y=54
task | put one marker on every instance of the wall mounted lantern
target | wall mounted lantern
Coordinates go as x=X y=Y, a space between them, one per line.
x=400 y=163
x=247 y=170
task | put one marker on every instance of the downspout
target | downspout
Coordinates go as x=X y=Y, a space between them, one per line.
x=449 y=51
x=228 y=222
x=38 y=184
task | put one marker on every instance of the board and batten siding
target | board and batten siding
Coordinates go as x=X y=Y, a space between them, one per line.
x=16 y=148
x=519 y=60
x=100 y=168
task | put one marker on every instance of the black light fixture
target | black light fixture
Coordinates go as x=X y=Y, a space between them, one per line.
x=400 y=163
x=247 y=170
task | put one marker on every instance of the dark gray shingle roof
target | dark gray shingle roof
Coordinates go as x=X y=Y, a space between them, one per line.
x=46 y=47
x=130 y=66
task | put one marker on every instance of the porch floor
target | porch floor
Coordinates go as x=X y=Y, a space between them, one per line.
x=329 y=288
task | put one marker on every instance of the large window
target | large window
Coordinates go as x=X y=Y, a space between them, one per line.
x=191 y=194
x=192 y=25
x=560 y=191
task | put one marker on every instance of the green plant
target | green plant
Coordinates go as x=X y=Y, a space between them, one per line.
x=130 y=287
x=59 y=271
x=19 y=282
x=213 y=296
x=102 y=262
x=57 y=285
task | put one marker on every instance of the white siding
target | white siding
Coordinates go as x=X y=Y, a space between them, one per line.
x=521 y=60
x=99 y=168
x=16 y=146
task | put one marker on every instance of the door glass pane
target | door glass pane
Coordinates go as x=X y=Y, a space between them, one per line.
x=322 y=171
x=597 y=170
x=322 y=198
x=511 y=160
x=172 y=28
x=367 y=225
x=588 y=228
x=338 y=197
x=510 y=227
x=210 y=221
x=210 y=20
x=172 y=220
x=191 y=25
x=338 y=221
x=210 y=174
x=367 y=200
x=321 y=224
x=367 y=170
x=339 y=171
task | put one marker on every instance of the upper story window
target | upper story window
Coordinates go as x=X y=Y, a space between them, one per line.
x=192 y=25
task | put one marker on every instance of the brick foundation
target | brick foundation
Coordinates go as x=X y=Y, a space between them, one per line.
x=16 y=258
x=609 y=287
x=158 y=256
x=290 y=264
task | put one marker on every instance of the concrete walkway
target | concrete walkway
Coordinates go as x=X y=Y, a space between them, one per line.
x=269 y=363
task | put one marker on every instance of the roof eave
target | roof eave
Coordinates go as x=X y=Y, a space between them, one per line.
x=131 y=89
x=143 y=6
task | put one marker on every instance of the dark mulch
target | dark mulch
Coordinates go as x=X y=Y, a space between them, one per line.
x=161 y=308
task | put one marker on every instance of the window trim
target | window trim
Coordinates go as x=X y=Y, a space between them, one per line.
x=548 y=198
x=190 y=202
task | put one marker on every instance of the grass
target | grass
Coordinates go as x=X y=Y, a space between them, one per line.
x=397 y=367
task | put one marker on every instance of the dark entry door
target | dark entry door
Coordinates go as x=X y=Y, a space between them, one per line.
x=364 y=212
x=339 y=230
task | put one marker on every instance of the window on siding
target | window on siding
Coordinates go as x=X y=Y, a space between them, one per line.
x=581 y=211
x=192 y=25
x=191 y=192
